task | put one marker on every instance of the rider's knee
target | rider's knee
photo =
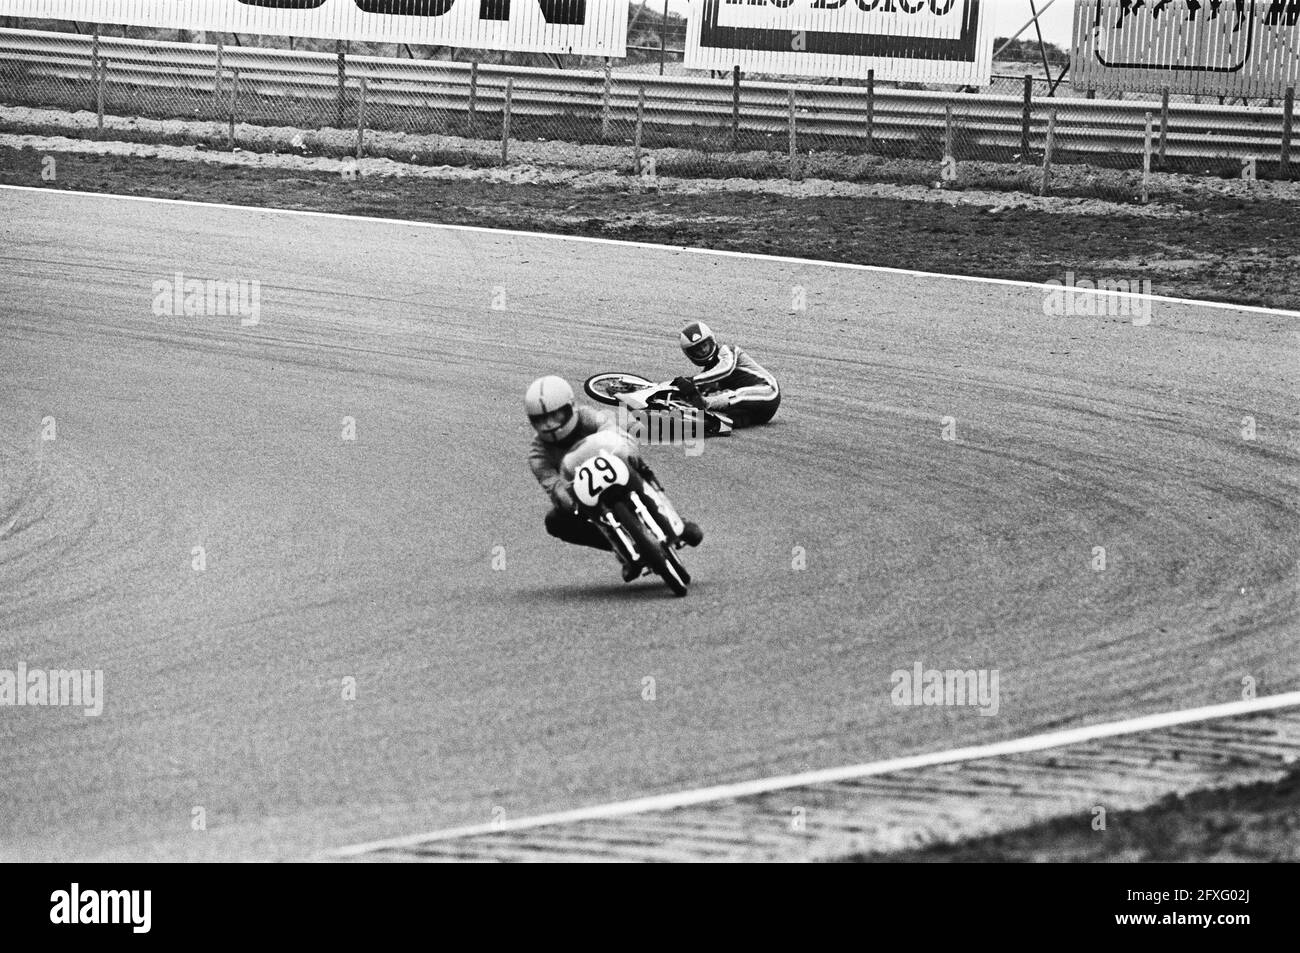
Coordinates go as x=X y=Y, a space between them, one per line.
x=557 y=522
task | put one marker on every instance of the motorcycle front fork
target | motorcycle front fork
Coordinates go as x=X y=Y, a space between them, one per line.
x=618 y=537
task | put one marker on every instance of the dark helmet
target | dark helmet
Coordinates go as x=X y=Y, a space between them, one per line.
x=698 y=344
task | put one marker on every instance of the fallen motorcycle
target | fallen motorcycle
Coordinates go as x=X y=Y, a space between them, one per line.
x=639 y=395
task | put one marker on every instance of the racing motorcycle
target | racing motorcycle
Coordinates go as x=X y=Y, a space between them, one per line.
x=640 y=396
x=632 y=511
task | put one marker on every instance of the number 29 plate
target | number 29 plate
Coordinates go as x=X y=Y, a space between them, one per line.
x=597 y=475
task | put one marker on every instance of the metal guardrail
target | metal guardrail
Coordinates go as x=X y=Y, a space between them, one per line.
x=1096 y=126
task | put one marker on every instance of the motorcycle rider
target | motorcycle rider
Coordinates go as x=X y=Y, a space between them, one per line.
x=560 y=426
x=732 y=382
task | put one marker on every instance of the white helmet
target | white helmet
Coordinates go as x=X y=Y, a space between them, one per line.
x=549 y=403
x=698 y=344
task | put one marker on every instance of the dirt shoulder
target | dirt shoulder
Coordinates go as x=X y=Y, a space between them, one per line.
x=1236 y=248
x=1254 y=822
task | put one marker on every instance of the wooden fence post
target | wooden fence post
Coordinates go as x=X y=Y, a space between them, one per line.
x=735 y=109
x=606 y=110
x=1164 y=123
x=1025 y=117
x=640 y=122
x=663 y=43
x=94 y=66
x=1146 y=163
x=361 y=118
x=473 y=94
x=341 y=106
x=234 y=105
x=794 y=145
x=100 y=80
x=1047 y=154
x=505 y=121
x=1288 y=107
x=871 y=110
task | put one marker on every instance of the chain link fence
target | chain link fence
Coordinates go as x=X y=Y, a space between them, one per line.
x=631 y=122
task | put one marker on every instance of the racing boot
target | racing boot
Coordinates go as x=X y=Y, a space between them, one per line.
x=691 y=533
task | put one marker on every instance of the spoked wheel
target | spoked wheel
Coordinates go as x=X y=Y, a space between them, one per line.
x=657 y=556
x=604 y=388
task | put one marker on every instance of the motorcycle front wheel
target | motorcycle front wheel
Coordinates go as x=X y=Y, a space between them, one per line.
x=651 y=550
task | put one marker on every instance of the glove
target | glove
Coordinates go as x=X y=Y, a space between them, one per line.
x=689 y=391
x=646 y=473
x=564 y=498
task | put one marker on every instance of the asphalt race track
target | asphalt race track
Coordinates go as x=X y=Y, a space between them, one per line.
x=521 y=688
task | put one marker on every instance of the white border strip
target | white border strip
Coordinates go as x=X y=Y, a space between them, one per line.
x=726 y=792
x=784 y=259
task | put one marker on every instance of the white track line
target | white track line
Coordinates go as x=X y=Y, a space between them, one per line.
x=810 y=262
x=726 y=792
